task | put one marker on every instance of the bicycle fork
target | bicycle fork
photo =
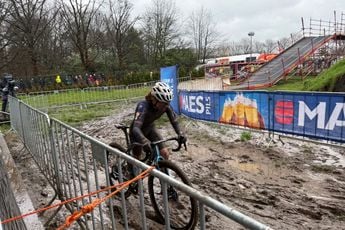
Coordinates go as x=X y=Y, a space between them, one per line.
x=172 y=194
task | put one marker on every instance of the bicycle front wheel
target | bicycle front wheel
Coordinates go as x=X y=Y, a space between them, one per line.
x=183 y=211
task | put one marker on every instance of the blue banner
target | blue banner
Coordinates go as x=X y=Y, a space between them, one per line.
x=169 y=75
x=318 y=115
x=200 y=105
x=315 y=115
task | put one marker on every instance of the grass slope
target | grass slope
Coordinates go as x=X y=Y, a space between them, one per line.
x=331 y=80
x=293 y=83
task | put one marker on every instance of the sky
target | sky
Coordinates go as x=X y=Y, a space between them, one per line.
x=268 y=19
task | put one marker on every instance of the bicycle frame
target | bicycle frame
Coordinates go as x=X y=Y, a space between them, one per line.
x=155 y=156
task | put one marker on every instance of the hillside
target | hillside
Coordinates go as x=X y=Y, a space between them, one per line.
x=330 y=80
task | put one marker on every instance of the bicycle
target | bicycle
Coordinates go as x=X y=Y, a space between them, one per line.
x=183 y=211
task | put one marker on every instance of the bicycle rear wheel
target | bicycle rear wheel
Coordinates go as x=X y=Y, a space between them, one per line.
x=183 y=211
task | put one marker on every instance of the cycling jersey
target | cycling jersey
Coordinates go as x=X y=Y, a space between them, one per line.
x=142 y=128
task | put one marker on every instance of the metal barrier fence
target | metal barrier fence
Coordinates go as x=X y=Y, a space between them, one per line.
x=202 y=84
x=8 y=203
x=76 y=164
x=45 y=100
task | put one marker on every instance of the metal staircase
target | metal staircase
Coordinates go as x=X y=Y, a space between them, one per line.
x=304 y=43
x=284 y=63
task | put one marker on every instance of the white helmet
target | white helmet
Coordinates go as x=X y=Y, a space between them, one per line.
x=162 y=92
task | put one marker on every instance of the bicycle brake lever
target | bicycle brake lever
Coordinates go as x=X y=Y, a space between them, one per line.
x=179 y=146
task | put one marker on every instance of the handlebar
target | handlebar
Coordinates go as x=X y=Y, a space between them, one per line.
x=172 y=139
x=165 y=140
x=125 y=128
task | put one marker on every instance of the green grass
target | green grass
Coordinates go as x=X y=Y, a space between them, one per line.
x=55 y=98
x=328 y=79
x=5 y=127
x=246 y=136
x=292 y=83
x=75 y=116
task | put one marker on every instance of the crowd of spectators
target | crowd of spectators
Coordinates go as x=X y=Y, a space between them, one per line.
x=67 y=81
x=59 y=81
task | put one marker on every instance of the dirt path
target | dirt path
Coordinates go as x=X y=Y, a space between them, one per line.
x=290 y=185
x=295 y=185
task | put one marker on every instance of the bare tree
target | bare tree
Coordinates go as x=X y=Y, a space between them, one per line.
x=160 y=29
x=203 y=32
x=284 y=43
x=235 y=48
x=28 y=21
x=57 y=49
x=84 y=24
x=4 y=41
x=244 y=46
x=221 y=50
x=118 y=24
x=269 y=46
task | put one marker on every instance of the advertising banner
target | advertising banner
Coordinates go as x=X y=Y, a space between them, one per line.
x=318 y=115
x=244 y=109
x=169 y=75
x=199 y=105
x=315 y=115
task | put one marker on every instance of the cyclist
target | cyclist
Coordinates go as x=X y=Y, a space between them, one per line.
x=143 y=130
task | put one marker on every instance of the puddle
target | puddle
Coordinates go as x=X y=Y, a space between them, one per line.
x=245 y=166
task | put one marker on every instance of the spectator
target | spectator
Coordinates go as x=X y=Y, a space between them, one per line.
x=41 y=82
x=8 y=88
x=91 y=80
x=58 y=81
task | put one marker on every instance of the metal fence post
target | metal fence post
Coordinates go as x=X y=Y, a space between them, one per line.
x=55 y=158
x=21 y=121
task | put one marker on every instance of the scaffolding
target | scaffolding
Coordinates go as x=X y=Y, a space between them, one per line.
x=330 y=52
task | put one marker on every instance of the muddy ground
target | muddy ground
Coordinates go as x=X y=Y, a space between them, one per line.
x=286 y=184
